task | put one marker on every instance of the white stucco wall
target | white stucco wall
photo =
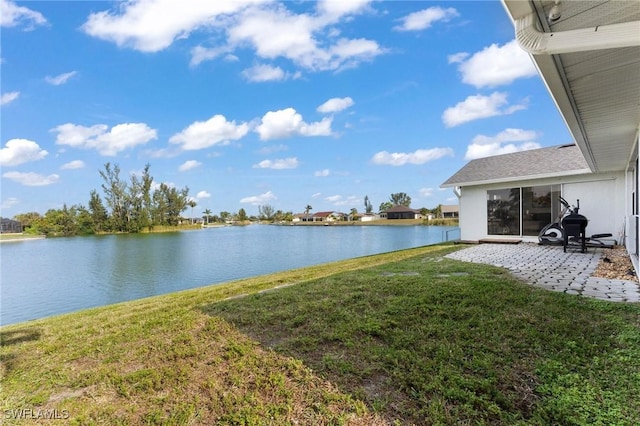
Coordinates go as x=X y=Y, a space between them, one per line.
x=601 y=196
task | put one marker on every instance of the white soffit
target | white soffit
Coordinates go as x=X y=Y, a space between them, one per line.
x=596 y=88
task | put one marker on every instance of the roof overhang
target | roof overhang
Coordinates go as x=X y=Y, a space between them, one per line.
x=486 y=182
x=589 y=59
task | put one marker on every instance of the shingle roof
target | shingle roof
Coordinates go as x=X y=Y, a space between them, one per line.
x=449 y=208
x=401 y=209
x=543 y=162
x=322 y=214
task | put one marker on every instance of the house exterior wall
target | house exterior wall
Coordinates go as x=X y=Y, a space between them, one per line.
x=632 y=207
x=601 y=196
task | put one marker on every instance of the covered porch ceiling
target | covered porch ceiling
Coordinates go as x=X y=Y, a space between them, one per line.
x=588 y=54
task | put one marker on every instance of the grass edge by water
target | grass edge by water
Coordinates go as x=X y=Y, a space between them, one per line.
x=127 y=351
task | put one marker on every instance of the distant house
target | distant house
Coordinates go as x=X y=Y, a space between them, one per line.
x=369 y=217
x=328 y=216
x=449 y=211
x=9 y=226
x=300 y=217
x=402 y=212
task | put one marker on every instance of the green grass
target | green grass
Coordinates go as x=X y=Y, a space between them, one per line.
x=405 y=337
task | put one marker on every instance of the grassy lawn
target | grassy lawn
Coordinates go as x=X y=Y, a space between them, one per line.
x=405 y=337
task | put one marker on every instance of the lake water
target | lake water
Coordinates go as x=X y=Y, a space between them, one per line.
x=58 y=275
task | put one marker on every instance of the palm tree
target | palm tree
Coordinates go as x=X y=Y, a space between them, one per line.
x=306 y=211
x=206 y=214
x=192 y=203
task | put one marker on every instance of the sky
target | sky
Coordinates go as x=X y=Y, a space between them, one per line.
x=251 y=103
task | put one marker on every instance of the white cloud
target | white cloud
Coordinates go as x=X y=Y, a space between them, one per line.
x=420 y=156
x=60 y=79
x=19 y=151
x=188 y=165
x=423 y=19
x=258 y=200
x=270 y=149
x=12 y=15
x=262 y=73
x=495 y=65
x=275 y=32
x=316 y=195
x=334 y=9
x=322 y=173
x=269 y=28
x=9 y=202
x=203 y=194
x=280 y=164
x=425 y=192
x=287 y=122
x=339 y=200
x=9 y=97
x=153 y=25
x=31 y=179
x=99 y=137
x=214 y=131
x=480 y=106
x=335 y=105
x=505 y=142
x=200 y=54
x=457 y=58
x=75 y=164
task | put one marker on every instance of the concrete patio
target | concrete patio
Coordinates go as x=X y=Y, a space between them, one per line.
x=550 y=268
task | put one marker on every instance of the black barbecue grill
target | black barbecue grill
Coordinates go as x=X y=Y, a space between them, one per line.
x=575 y=225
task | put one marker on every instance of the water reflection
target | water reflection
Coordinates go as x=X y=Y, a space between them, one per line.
x=52 y=276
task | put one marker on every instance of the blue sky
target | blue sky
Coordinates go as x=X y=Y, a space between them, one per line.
x=262 y=102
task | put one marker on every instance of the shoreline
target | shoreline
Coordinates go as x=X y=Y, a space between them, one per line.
x=20 y=239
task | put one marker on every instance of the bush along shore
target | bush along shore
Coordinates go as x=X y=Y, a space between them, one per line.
x=408 y=337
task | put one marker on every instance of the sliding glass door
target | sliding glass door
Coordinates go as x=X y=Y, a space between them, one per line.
x=521 y=211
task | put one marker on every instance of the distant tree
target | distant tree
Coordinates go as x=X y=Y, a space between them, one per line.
x=225 y=216
x=385 y=206
x=115 y=191
x=59 y=222
x=368 y=208
x=307 y=210
x=266 y=212
x=192 y=203
x=99 y=215
x=169 y=203
x=27 y=219
x=206 y=214
x=354 y=214
x=159 y=210
x=83 y=221
x=400 y=198
x=438 y=211
x=141 y=199
x=242 y=215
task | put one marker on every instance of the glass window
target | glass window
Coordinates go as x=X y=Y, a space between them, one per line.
x=539 y=208
x=503 y=211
